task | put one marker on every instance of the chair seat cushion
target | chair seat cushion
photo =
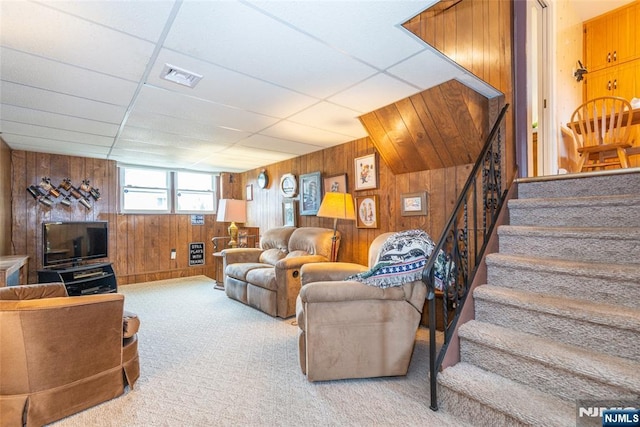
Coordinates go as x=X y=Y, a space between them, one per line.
x=263 y=277
x=272 y=256
x=239 y=270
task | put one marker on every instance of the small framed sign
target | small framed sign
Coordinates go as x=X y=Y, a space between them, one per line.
x=413 y=204
x=196 y=253
x=197 y=219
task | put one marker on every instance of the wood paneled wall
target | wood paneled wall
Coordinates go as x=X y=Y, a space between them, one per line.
x=477 y=34
x=139 y=245
x=5 y=198
x=442 y=186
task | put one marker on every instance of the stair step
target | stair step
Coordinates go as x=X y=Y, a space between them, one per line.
x=569 y=372
x=621 y=181
x=595 y=244
x=486 y=399
x=614 y=284
x=610 y=211
x=580 y=323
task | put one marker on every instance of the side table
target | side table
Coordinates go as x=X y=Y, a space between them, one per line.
x=218 y=261
x=14 y=270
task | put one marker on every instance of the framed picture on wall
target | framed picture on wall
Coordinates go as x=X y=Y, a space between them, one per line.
x=366 y=172
x=336 y=184
x=310 y=193
x=413 y=204
x=289 y=211
x=367 y=212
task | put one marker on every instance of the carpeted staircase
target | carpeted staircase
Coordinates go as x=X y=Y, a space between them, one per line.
x=559 y=319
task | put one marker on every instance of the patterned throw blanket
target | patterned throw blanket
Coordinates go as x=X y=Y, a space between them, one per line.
x=402 y=259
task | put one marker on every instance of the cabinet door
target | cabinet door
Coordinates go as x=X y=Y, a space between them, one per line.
x=598 y=83
x=626 y=80
x=596 y=42
x=622 y=27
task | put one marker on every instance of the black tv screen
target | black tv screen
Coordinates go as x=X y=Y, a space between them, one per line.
x=73 y=242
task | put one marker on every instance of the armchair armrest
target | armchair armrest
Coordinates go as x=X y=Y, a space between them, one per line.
x=299 y=261
x=329 y=271
x=238 y=255
x=348 y=291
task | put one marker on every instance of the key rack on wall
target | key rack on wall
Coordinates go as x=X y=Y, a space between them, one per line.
x=48 y=194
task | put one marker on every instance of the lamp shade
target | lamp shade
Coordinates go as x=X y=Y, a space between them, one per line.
x=231 y=210
x=337 y=206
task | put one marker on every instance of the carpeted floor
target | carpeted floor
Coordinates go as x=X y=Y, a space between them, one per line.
x=207 y=360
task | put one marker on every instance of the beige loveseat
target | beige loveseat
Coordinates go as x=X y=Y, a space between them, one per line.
x=348 y=329
x=60 y=355
x=268 y=278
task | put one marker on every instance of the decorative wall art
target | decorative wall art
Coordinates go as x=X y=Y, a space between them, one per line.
x=310 y=193
x=336 y=184
x=289 y=210
x=367 y=212
x=366 y=172
x=48 y=194
x=288 y=185
x=413 y=204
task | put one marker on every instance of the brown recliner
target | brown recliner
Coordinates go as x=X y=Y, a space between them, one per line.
x=59 y=354
x=269 y=278
x=351 y=330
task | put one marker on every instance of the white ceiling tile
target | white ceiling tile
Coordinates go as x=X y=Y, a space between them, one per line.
x=250 y=42
x=57 y=121
x=53 y=134
x=229 y=87
x=326 y=115
x=36 y=28
x=28 y=97
x=144 y=19
x=374 y=93
x=305 y=134
x=29 y=143
x=156 y=137
x=263 y=142
x=21 y=68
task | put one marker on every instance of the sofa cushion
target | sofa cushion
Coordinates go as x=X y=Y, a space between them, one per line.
x=240 y=270
x=276 y=238
x=294 y=254
x=313 y=240
x=263 y=278
x=272 y=256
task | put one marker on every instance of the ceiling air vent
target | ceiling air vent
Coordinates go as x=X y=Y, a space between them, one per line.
x=180 y=76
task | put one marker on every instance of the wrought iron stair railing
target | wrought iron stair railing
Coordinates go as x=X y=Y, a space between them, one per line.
x=463 y=242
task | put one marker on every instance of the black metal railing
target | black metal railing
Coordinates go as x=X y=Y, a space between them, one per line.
x=463 y=242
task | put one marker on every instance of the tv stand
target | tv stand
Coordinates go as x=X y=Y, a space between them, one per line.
x=83 y=280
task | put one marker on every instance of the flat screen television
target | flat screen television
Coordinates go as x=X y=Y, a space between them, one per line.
x=73 y=242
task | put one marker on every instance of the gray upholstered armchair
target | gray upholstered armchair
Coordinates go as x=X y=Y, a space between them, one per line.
x=269 y=278
x=348 y=329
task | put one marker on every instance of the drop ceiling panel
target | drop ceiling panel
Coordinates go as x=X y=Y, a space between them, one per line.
x=241 y=152
x=144 y=19
x=278 y=145
x=54 y=134
x=305 y=134
x=42 y=31
x=161 y=101
x=21 y=68
x=257 y=45
x=28 y=143
x=326 y=115
x=157 y=137
x=57 y=121
x=350 y=26
x=379 y=90
x=28 y=97
x=229 y=87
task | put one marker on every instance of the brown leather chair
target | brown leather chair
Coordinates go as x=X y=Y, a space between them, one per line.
x=269 y=278
x=60 y=355
x=351 y=330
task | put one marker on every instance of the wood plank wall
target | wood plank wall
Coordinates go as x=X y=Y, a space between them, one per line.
x=477 y=34
x=5 y=198
x=139 y=245
x=442 y=186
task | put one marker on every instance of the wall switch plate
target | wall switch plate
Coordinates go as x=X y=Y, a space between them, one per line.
x=173 y=254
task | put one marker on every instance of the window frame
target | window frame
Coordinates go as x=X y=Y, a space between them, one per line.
x=177 y=190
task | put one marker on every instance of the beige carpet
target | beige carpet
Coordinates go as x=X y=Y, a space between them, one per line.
x=207 y=360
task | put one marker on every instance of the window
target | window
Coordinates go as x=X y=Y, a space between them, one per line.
x=146 y=190
x=194 y=192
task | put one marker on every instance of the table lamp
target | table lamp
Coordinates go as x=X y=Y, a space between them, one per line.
x=336 y=206
x=231 y=210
